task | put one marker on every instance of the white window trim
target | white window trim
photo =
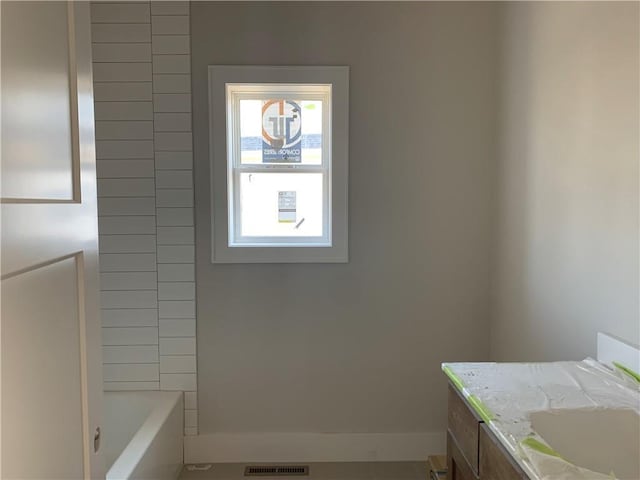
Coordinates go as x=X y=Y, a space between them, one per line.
x=221 y=251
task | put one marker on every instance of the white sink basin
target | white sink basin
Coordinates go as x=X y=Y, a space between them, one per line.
x=602 y=440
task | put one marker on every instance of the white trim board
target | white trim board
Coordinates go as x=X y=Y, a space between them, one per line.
x=312 y=447
x=613 y=349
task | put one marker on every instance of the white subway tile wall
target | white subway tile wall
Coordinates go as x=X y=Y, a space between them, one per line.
x=132 y=354
x=122 y=72
x=142 y=87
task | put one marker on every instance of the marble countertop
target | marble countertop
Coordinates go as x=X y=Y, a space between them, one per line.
x=506 y=394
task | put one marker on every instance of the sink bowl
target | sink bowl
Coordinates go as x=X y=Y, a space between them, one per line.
x=603 y=440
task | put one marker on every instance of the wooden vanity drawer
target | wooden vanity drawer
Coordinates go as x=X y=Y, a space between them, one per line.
x=495 y=462
x=464 y=428
x=457 y=466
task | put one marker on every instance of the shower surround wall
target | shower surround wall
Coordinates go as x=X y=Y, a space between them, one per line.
x=142 y=86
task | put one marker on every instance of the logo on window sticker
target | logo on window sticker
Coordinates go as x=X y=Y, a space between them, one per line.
x=287 y=206
x=281 y=132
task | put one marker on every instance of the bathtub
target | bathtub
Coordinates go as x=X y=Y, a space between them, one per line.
x=142 y=436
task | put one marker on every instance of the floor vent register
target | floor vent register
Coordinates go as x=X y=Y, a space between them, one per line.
x=277 y=470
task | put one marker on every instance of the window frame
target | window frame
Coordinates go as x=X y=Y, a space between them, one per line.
x=221 y=152
x=238 y=92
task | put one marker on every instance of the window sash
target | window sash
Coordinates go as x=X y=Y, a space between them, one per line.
x=239 y=240
x=234 y=94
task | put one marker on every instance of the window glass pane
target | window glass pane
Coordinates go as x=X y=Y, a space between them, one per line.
x=281 y=204
x=280 y=132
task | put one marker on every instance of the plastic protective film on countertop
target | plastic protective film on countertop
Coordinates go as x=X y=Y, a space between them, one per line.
x=506 y=394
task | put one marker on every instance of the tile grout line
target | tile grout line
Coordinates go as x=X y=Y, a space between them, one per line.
x=155 y=175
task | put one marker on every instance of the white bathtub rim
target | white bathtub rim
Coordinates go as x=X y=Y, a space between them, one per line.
x=130 y=457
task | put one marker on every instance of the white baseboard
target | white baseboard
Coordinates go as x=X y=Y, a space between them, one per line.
x=312 y=447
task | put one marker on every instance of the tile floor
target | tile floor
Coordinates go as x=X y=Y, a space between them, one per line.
x=323 y=471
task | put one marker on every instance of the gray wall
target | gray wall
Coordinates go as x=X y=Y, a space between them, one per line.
x=567 y=223
x=357 y=347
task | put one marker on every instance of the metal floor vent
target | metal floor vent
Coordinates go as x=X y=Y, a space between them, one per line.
x=276 y=471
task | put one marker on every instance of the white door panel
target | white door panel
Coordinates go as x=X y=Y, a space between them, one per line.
x=51 y=385
x=36 y=95
x=42 y=380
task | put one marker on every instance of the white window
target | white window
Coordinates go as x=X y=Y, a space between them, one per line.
x=278 y=145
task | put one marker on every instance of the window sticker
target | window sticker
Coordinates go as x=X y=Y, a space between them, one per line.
x=281 y=132
x=287 y=206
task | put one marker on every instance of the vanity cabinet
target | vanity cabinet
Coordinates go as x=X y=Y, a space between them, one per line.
x=473 y=451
